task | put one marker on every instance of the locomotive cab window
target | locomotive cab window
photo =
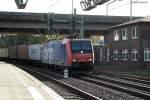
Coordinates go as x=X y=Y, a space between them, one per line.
x=78 y=46
x=86 y=46
x=75 y=46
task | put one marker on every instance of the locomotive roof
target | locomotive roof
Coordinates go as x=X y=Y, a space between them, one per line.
x=65 y=41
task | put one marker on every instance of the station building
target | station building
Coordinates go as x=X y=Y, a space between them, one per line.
x=130 y=43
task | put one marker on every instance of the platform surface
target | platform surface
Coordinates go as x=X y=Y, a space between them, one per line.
x=16 y=84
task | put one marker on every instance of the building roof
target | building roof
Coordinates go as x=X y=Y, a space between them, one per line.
x=145 y=19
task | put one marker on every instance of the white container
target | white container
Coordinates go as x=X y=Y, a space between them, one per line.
x=34 y=52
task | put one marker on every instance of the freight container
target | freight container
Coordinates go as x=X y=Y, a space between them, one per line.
x=22 y=52
x=34 y=52
x=1 y=53
x=12 y=52
x=5 y=52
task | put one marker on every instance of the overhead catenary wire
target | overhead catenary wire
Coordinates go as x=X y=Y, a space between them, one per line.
x=52 y=5
x=120 y=6
x=134 y=2
x=47 y=9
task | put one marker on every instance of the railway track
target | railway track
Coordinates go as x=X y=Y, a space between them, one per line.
x=67 y=91
x=100 y=92
x=127 y=77
x=136 y=88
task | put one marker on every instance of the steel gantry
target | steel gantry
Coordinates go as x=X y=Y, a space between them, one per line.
x=90 y=4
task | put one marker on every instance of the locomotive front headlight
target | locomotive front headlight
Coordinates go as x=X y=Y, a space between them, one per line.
x=74 y=60
x=90 y=59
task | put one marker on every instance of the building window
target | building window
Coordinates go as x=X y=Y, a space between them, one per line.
x=124 y=54
x=147 y=54
x=134 y=54
x=116 y=55
x=116 y=35
x=134 y=33
x=108 y=54
x=124 y=34
x=101 y=54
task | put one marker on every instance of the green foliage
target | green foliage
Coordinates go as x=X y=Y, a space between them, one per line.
x=19 y=39
x=9 y=40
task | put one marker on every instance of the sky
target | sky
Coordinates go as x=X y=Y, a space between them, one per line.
x=118 y=8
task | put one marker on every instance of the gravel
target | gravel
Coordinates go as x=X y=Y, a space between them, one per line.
x=123 y=80
x=99 y=91
x=66 y=94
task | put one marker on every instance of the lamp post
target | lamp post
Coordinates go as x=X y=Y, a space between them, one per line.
x=72 y=7
x=71 y=18
x=73 y=22
x=108 y=5
x=130 y=10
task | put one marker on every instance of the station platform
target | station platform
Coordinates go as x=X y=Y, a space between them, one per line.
x=16 y=84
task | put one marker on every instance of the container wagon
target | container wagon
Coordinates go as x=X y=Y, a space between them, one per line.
x=12 y=53
x=22 y=53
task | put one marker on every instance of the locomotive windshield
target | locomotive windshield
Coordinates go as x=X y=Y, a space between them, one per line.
x=81 y=46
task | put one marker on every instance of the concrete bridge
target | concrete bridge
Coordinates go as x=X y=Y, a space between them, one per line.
x=37 y=23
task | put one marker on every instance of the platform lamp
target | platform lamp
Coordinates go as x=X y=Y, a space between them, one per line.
x=21 y=4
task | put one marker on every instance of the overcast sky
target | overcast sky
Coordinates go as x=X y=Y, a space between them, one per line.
x=121 y=8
